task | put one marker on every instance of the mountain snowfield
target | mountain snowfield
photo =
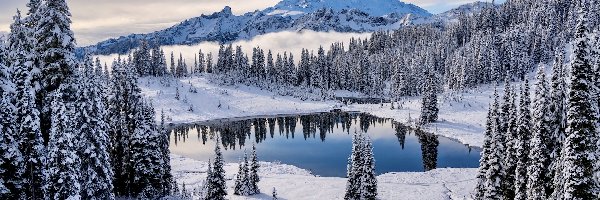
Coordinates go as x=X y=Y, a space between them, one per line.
x=347 y=16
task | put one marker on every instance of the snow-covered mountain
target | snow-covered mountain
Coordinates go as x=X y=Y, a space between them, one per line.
x=288 y=15
x=371 y=7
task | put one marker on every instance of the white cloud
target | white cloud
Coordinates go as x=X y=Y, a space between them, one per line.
x=291 y=42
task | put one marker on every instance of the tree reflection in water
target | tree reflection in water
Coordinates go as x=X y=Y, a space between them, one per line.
x=234 y=134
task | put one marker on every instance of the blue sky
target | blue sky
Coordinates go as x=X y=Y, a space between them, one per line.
x=95 y=21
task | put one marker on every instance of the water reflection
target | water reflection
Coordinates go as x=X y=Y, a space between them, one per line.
x=325 y=142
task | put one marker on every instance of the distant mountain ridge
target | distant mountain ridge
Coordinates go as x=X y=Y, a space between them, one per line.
x=371 y=7
x=288 y=15
x=466 y=9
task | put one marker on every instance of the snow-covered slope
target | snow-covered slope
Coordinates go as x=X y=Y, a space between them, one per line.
x=289 y=15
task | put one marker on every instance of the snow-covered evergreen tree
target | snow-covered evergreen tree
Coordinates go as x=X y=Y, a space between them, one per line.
x=168 y=181
x=495 y=172
x=216 y=179
x=522 y=143
x=429 y=107
x=11 y=159
x=580 y=146
x=537 y=169
x=484 y=166
x=239 y=177
x=64 y=164
x=242 y=181
x=206 y=186
x=362 y=182
x=510 y=158
x=146 y=154
x=12 y=164
x=27 y=121
x=355 y=161
x=54 y=47
x=368 y=177
x=96 y=171
x=557 y=109
x=253 y=172
x=488 y=153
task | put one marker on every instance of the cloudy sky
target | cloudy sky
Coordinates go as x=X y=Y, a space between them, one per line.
x=97 y=20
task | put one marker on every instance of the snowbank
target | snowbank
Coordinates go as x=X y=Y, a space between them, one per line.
x=295 y=183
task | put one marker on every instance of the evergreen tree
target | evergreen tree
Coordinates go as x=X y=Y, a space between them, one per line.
x=96 y=171
x=429 y=108
x=537 y=170
x=557 y=109
x=580 y=144
x=173 y=68
x=28 y=133
x=239 y=177
x=362 y=182
x=207 y=185
x=201 y=62
x=209 y=65
x=12 y=163
x=11 y=160
x=253 y=172
x=510 y=159
x=242 y=182
x=368 y=178
x=355 y=161
x=522 y=143
x=168 y=181
x=146 y=155
x=55 y=46
x=495 y=172
x=485 y=156
x=216 y=179
x=63 y=162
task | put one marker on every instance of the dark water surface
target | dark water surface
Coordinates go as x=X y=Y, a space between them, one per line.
x=322 y=143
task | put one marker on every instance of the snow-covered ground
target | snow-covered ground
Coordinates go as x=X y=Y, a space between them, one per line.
x=295 y=183
x=463 y=120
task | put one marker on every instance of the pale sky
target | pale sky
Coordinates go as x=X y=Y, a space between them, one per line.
x=97 y=20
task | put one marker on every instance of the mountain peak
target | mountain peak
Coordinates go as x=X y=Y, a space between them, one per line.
x=372 y=7
x=227 y=10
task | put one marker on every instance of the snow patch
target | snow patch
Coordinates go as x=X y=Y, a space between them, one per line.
x=295 y=183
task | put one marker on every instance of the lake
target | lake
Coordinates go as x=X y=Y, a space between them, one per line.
x=322 y=142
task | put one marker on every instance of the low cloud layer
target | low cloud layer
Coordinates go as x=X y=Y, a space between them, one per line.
x=94 y=21
x=291 y=42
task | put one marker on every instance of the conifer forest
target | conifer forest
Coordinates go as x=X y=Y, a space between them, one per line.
x=300 y=99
